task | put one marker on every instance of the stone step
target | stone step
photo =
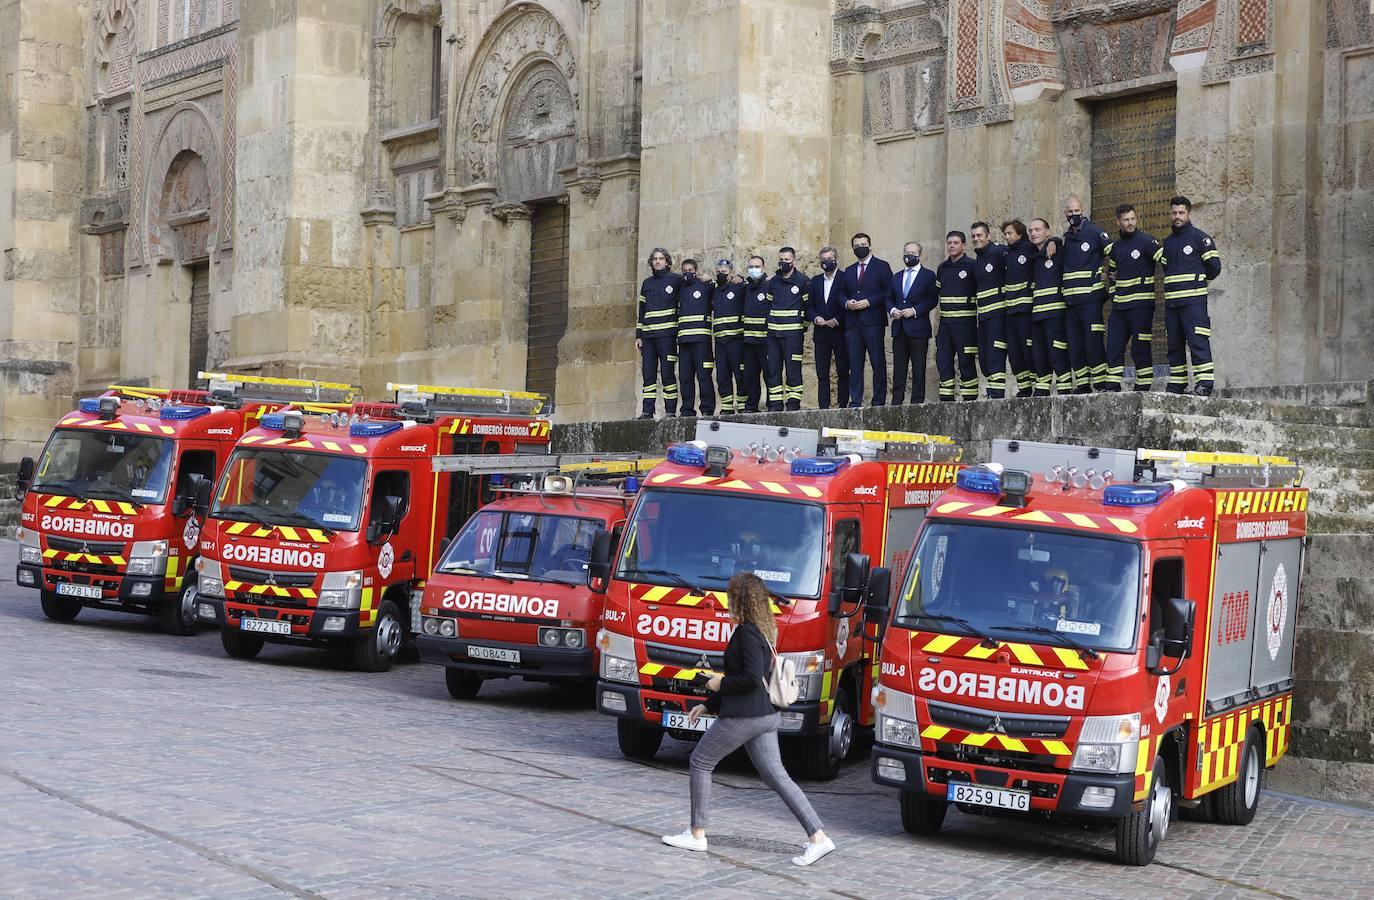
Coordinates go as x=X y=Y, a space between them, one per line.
x=1338 y=523
x=1336 y=600
x=1332 y=393
x=1223 y=408
x=1198 y=432
x=1343 y=502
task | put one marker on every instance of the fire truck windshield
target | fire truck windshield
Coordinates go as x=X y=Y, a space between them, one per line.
x=104 y=465
x=280 y=487
x=522 y=545
x=704 y=537
x=1084 y=589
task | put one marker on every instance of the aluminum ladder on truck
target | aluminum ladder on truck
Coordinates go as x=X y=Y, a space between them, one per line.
x=428 y=400
x=233 y=390
x=892 y=446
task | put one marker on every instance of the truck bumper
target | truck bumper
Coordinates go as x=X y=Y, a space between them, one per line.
x=136 y=591
x=307 y=624
x=1056 y=793
x=536 y=663
x=625 y=701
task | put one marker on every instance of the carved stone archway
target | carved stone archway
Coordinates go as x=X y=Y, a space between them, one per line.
x=187 y=129
x=539 y=134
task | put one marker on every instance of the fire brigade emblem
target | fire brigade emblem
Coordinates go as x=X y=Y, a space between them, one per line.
x=730 y=295
x=385 y=560
x=669 y=289
x=1135 y=254
x=190 y=534
x=1162 y=698
x=989 y=267
x=1278 y=611
x=696 y=295
x=963 y=274
x=795 y=289
x=842 y=637
x=1188 y=250
x=1021 y=259
x=1086 y=247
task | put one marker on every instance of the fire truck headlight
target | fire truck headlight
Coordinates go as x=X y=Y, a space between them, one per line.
x=810 y=674
x=448 y=628
x=341 y=590
x=615 y=668
x=1108 y=744
x=334 y=599
x=430 y=626
x=211 y=578
x=898 y=731
x=31 y=555
x=148 y=558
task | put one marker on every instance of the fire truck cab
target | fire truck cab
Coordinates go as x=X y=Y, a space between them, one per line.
x=322 y=525
x=509 y=594
x=1098 y=635
x=806 y=518
x=108 y=510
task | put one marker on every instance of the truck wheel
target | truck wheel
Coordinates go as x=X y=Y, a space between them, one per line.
x=239 y=644
x=58 y=608
x=376 y=650
x=462 y=684
x=178 y=614
x=637 y=741
x=1138 y=834
x=922 y=813
x=1237 y=803
x=822 y=755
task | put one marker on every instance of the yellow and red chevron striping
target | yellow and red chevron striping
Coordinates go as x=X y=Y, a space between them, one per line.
x=944 y=735
x=1093 y=522
x=973 y=648
x=779 y=488
x=76 y=504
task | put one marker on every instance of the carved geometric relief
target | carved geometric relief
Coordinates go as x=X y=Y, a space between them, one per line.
x=411 y=185
x=1031 y=49
x=1104 y=52
x=115 y=44
x=1349 y=23
x=1243 y=42
x=967 y=51
x=980 y=57
x=539 y=137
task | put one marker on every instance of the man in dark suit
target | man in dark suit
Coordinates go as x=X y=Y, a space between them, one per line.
x=909 y=304
x=867 y=284
x=825 y=311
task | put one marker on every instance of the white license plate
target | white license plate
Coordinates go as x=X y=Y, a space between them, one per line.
x=495 y=654
x=89 y=591
x=265 y=625
x=679 y=721
x=986 y=796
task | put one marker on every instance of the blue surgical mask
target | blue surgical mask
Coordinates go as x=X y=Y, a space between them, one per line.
x=755 y=272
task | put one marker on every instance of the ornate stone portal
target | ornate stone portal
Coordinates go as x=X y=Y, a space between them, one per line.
x=540 y=135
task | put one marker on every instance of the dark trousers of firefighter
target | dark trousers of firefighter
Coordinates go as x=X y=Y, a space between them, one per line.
x=909 y=356
x=729 y=378
x=1051 y=356
x=1189 y=327
x=785 y=355
x=658 y=363
x=1132 y=328
x=831 y=347
x=957 y=342
x=992 y=354
x=695 y=365
x=753 y=365
x=1019 y=352
x=867 y=342
x=1087 y=358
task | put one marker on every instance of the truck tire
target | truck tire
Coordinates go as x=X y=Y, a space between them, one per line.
x=462 y=684
x=240 y=645
x=178 y=614
x=1138 y=835
x=637 y=741
x=921 y=813
x=822 y=755
x=59 y=608
x=1237 y=803
x=378 y=648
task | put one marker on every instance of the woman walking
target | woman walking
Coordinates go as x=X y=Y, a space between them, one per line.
x=746 y=719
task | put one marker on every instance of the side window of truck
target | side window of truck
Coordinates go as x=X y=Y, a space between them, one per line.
x=1166 y=582
x=394 y=484
x=193 y=463
x=846 y=542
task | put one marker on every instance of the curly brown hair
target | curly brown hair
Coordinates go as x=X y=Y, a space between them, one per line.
x=751 y=601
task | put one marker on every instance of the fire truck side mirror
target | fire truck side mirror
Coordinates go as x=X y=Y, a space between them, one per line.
x=386 y=520
x=856 y=576
x=599 y=562
x=24 y=478
x=202 y=504
x=879 y=595
x=184 y=502
x=1179 y=615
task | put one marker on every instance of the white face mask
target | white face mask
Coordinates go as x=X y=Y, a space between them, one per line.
x=755 y=273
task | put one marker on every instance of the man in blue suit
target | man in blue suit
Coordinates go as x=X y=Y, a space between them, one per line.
x=825 y=311
x=867 y=285
x=909 y=304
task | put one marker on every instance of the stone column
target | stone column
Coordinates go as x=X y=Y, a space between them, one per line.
x=41 y=171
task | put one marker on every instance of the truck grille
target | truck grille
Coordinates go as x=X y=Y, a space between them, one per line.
x=1005 y=759
x=280 y=579
x=981 y=721
x=684 y=658
x=67 y=545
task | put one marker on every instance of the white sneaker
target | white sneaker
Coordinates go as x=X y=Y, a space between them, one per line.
x=812 y=852
x=688 y=841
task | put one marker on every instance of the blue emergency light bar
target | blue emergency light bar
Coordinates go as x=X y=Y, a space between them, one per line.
x=273 y=422
x=89 y=405
x=373 y=429
x=820 y=465
x=979 y=480
x=687 y=455
x=1135 y=494
x=183 y=413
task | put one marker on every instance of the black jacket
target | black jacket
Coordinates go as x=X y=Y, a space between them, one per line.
x=748 y=659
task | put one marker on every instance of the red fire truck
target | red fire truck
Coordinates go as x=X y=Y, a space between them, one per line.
x=1095 y=634
x=321 y=526
x=805 y=520
x=509 y=595
x=107 y=518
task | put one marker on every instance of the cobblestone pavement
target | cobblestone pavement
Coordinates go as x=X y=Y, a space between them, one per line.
x=138 y=764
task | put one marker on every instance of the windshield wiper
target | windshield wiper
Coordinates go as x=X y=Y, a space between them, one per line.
x=968 y=626
x=1083 y=649
x=241 y=512
x=675 y=578
x=111 y=494
x=51 y=487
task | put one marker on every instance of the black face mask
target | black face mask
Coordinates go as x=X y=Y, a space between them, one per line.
x=722 y=279
x=689 y=277
x=911 y=261
x=784 y=268
x=1076 y=221
x=829 y=265
x=862 y=252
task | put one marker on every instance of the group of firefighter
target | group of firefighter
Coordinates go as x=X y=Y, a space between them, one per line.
x=1033 y=305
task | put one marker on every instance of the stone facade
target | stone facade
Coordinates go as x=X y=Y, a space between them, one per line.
x=355 y=183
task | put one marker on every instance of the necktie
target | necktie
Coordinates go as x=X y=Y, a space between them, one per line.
x=906 y=288
x=862 y=268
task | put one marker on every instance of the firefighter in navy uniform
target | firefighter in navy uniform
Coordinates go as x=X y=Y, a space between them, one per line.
x=1190 y=261
x=992 y=310
x=1084 y=291
x=1131 y=261
x=957 y=340
x=1018 y=298
x=696 y=363
x=727 y=324
x=656 y=333
x=1047 y=313
x=755 y=351
x=787 y=292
